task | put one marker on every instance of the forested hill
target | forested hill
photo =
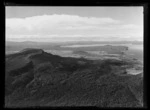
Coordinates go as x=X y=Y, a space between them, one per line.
x=36 y=78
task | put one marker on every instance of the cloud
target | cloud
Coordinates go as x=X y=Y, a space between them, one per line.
x=48 y=27
x=51 y=21
x=130 y=26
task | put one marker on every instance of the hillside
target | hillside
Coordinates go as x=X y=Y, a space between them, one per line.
x=36 y=78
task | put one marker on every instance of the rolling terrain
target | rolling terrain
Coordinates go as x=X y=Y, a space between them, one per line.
x=93 y=49
x=34 y=77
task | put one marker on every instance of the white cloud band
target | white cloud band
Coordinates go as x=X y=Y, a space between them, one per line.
x=53 y=26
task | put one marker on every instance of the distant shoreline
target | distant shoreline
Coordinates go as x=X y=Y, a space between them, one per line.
x=94 y=45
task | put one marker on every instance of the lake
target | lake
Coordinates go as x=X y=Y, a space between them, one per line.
x=134 y=51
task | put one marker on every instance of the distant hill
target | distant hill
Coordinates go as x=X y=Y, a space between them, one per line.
x=18 y=46
x=36 y=78
x=76 y=42
x=81 y=52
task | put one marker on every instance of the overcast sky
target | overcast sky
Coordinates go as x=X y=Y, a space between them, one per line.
x=74 y=23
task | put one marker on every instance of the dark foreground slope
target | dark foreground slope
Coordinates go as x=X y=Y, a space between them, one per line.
x=36 y=78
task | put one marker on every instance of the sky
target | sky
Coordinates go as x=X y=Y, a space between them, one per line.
x=57 y=24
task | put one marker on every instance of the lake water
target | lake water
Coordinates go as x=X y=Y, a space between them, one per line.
x=95 y=45
x=134 y=51
x=10 y=52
